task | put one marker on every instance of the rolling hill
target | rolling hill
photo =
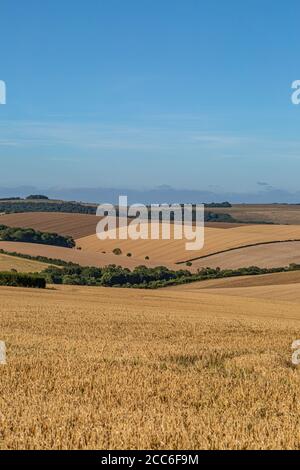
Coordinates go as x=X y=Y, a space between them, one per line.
x=216 y=241
x=271 y=213
x=174 y=369
x=75 y=225
x=265 y=256
x=84 y=258
x=226 y=245
x=7 y=263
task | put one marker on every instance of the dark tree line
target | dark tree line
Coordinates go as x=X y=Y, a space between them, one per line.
x=29 y=235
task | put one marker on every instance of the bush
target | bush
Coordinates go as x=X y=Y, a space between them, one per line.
x=72 y=280
x=37 y=197
x=117 y=251
x=22 y=280
x=218 y=204
x=222 y=217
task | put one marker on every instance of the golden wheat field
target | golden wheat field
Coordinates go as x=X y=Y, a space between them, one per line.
x=168 y=369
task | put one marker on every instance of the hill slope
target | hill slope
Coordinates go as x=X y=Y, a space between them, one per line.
x=216 y=240
x=148 y=369
x=75 y=225
x=7 y=263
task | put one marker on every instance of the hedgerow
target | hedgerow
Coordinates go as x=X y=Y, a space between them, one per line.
x=22 y=280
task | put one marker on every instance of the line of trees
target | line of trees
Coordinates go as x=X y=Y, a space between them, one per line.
x=29 y=235
x=63 y=272
x=40 y=203
x=218 y=204
x=41 y=259
x=37 y=197
x=13 y=206
x=144 y=277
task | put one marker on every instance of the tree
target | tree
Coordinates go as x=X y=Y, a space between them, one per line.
x=37 y=196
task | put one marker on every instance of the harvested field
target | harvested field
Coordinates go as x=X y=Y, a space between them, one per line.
x=216 y=240
x=159 y=251
x=166 y=252
x=276 y=279
x=273 y=255
x=274 y=213
x=223 y=225
x=7 y=263
x=72 y=255
x=117 y=369
x=75 y=225
x=98 y=253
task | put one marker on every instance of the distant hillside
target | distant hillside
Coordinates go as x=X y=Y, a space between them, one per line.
x=16 y=205
x=42 y=204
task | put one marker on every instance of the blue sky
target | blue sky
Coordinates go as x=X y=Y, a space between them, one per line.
x=139 y=93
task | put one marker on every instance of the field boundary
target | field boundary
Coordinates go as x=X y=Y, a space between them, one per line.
x=236 y=248
x=38 y=259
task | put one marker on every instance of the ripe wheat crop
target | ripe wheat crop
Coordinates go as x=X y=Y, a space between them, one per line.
x=170 y=369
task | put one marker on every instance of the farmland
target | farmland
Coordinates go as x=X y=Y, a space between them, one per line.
x=271 y=213
x=75 y=256
x=226 y=245
x=216 y=240
x=265 y=256
x=274 y=279
x=205 y=365
x=75 y=225
x=7 y=263
x=170 y=369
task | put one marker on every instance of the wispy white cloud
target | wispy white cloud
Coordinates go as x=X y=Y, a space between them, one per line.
x=161 y=138
x=93 y=136
x=218 y=139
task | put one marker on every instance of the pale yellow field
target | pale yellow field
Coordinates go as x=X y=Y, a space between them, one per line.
x=286 y=293
x=253 y=213
x=265 y=256
x=21 y=265
x=216 y=240
x=276 y=287
x=275 y=279
x=84 y=258
x=168 y=369
x=166 y=252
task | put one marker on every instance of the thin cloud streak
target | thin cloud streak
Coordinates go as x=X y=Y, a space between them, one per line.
x=99 y=136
